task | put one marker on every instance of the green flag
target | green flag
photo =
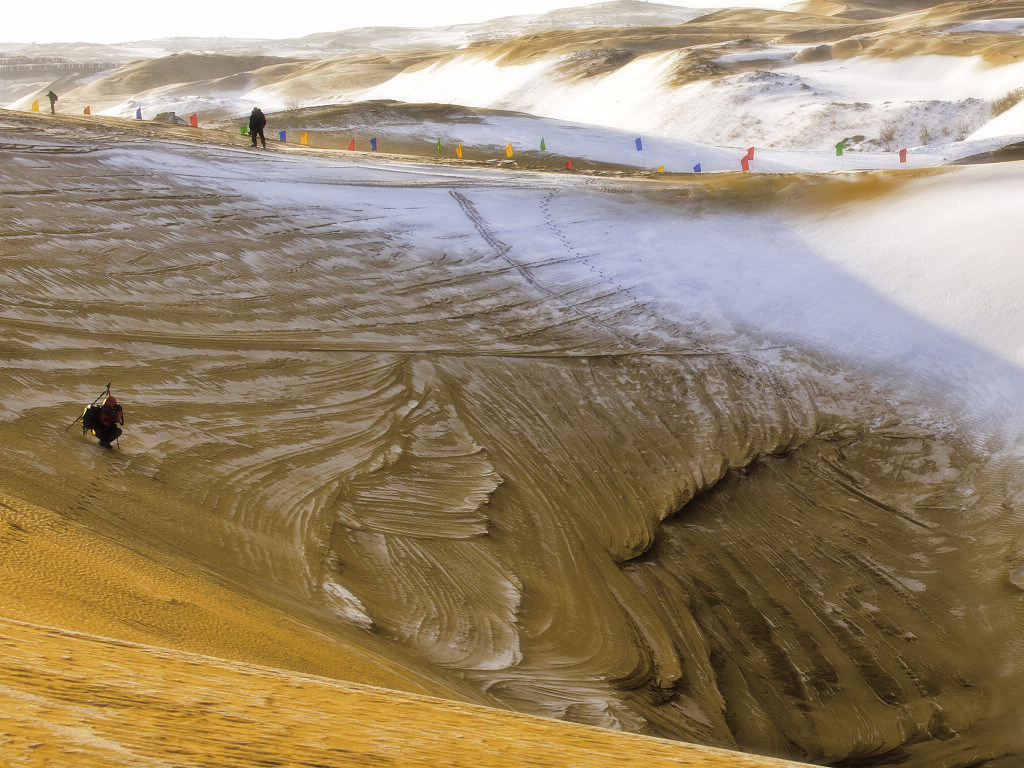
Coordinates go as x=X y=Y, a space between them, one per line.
x=839 y=148
x=438 y=145
x=542 y=147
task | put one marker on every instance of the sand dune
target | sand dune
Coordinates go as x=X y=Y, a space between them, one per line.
x=729 y=77
x=441 y=424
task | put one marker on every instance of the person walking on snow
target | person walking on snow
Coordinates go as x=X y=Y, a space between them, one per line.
x=257 y=122
x=53 y=100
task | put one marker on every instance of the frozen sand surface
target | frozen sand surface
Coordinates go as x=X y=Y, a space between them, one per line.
x=493 y=413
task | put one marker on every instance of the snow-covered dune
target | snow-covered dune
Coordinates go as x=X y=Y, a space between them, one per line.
x=800 y=80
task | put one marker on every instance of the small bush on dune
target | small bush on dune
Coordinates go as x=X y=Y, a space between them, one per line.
x=1004 y=103
x=887 y=135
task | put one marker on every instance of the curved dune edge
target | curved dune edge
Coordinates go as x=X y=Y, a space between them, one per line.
x=73 y=699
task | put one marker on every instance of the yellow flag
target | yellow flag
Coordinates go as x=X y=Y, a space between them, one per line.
x=304 y=138
x=35 y=105
x=508 y=151
x=661 y=169
x=458 y=151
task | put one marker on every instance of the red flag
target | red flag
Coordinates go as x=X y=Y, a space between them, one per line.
x=568 y=165
x=352 y=145
x=745 y=163
x=193 y=120
x=903 y=155
x=88 y=111
x=750 y=155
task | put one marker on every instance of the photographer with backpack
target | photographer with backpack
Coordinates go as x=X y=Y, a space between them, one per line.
x=103 y=420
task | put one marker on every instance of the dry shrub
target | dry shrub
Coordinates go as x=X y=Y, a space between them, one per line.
x=887 y=135
x=1004 y=103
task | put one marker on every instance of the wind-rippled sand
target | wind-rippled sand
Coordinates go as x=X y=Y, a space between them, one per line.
x=404 y=406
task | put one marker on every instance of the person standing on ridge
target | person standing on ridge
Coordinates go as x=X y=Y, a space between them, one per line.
x=257 y=122
x=53 y=100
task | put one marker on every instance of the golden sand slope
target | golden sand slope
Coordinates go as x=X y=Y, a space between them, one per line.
x=56 y=572
x=69 y=700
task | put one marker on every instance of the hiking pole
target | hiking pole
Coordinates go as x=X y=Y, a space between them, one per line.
x=105 y=392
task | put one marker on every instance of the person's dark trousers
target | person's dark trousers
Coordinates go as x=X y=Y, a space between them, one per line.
x=261 y=137
x=107 y=435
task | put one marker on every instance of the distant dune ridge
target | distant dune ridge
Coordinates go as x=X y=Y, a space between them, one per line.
x=801 y=78
x=419 y=448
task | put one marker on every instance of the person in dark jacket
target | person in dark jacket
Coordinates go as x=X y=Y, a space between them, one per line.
x=103 y=420
x=257 y=122
x=53 y=100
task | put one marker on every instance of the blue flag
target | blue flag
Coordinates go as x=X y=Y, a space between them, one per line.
x=373 y=145
x=696 y=168
x=138 y=113
x=282 y=134
x=639 y=146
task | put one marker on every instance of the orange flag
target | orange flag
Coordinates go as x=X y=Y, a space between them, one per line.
x=745 y=163
x=508 y=151
x=193 y=120
x=304 y=138
x=661 y=169
x=352 y=145
x=458 y=151
x=568 y=165
x=87 y=111
x=35 y=105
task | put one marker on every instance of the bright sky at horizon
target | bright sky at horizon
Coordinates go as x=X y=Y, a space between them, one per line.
x=118 y=21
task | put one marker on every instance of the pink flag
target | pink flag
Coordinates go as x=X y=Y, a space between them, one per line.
x=193 y=120
x=903 y=155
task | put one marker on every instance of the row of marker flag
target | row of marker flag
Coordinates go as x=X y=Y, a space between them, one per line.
x=193 y=119
x=745 y=161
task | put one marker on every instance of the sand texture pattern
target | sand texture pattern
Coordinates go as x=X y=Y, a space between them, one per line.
x=409 y=411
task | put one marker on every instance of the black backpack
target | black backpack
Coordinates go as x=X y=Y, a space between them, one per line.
x=90 y=418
